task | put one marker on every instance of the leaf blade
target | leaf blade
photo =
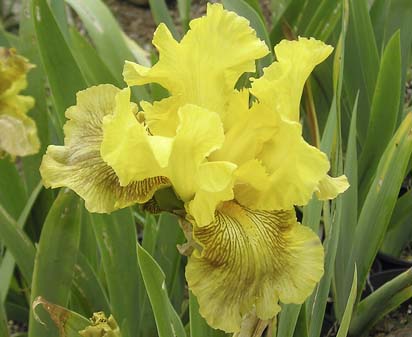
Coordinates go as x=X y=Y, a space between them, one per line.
x=56 y=257
x=167 y=321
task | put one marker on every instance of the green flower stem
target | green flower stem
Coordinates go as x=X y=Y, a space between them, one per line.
x=311 y=114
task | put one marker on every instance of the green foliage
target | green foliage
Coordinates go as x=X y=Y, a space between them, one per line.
x=55 y=257
x=167 y=321
x=115 y=235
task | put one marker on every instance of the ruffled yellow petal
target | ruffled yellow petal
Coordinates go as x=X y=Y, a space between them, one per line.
x=161 y=116
x=295 y=169
x=249 y=260
x=254 y=174
x=330 y=187
x=205 y=65
x=280 y=88
x=13 y=71
x=18 y=132
x=79 y=165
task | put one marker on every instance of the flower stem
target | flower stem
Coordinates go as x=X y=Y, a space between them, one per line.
x=311 y=114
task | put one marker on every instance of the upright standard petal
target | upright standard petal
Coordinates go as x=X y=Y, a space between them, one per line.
x=280 y=87
x=202 y=68
x=248 y=261
x=79 y=165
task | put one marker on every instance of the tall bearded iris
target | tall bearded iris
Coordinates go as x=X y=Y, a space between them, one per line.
x=239 y=167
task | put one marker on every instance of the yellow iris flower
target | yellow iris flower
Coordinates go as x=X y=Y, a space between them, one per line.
x=18 y=133
x=239 y=167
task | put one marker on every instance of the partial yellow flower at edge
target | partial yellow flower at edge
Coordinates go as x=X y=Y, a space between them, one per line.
x=78 y=164
x=18 y=132
x=202 y=68
x=251 y=260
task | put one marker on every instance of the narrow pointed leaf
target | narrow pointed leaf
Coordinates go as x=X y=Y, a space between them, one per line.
x=161 y=14
x=90 y=63
x=167 y=321
x=88 y=285
x=380 y=201
x=17 y=243
x=399 y=18
x=36 y=88
x=7 y=264
x=184 y=12
x=347 y=315
x=362 y=63
x=375 y=305
x=107 y=36
x=56 y=257
x=288 y=318
x=170 y=260
x=384 y=110
x=4 y=330
x=57 y=59
x=399 y=232
x=348 y=219
x=12 y=192
x=116 y=237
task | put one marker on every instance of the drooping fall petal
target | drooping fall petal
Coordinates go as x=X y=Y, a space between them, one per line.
x=250 y=260
x=79 y=165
